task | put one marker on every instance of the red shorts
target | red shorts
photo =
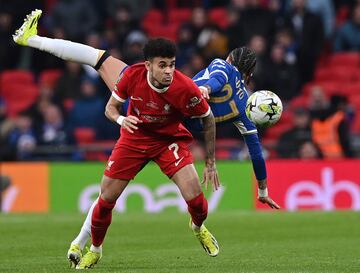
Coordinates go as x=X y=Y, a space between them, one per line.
x=127 y=160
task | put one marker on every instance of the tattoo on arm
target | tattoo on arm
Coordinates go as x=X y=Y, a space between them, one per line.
x=209 y=136
x=262 y=184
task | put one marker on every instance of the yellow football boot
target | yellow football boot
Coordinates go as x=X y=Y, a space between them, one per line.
x=89 y=260
x=74 y=255
x=28 y=28
x=206 y=239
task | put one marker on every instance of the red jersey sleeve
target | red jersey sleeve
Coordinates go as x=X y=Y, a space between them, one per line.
x=193 y=103
x=120 y=91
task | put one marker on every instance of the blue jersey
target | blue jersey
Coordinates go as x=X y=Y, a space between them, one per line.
x=228 y=103
x=228 y=94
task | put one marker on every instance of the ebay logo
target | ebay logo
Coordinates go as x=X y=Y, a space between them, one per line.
x=307 y=193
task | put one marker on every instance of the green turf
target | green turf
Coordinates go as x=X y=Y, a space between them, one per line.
x=249 y=241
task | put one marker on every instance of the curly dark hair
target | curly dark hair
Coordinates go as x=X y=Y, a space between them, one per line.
x=244 y=59
x=159 y=47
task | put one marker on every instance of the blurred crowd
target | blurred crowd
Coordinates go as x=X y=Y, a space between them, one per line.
x=319 y=131
x=290 y=38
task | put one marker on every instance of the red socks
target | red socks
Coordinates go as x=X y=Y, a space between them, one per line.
x=198 y=209
x=100 y=221
x=102 y=213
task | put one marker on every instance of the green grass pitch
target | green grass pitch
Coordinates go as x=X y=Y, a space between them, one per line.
x=249 y=242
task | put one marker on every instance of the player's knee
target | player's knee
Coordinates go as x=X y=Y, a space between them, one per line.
x=110 y=190
x=194 y=190
x=108 y=196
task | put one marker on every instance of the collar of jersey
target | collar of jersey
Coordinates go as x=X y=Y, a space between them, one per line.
x=153 y=87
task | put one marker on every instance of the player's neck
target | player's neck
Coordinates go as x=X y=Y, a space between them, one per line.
x=155 y=85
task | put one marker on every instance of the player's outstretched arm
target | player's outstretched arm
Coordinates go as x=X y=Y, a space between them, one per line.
x=210 y=174
x=107 y=66
x=257 y=159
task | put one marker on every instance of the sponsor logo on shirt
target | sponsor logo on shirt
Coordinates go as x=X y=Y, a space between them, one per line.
x=158 y=119
x=152 y=104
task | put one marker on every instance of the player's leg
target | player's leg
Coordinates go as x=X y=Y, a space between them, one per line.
x=101 y=217
x=188 y=182
x=176 y=163
x=108 y=68
x=77 y=245
x=110 y=71
x=124 y=163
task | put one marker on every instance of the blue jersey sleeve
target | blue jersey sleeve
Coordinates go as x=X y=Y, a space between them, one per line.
x=258 y=162
x=249 y=132
x=219 y=71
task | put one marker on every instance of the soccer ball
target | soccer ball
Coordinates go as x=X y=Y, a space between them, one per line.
x=264 y=108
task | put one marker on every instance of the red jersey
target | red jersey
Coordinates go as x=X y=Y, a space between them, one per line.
x=161 y=110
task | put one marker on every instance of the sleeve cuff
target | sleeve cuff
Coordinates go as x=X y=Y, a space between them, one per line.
x=204 y=115
x=117 y=97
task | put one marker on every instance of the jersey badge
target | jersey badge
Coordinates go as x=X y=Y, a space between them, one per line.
x=193 y=102
x=110 y=163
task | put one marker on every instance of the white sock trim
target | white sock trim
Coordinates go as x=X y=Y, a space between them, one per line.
x=97 y=249
x=194 y=227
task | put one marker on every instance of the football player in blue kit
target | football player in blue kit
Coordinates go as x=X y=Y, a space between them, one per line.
x=223 y=84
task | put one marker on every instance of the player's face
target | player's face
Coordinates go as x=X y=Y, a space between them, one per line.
x=161 y=71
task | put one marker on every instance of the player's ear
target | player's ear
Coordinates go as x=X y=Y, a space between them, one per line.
x=247 y=79
x=147 y=65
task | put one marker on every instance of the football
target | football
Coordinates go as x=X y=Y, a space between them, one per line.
x=264 y=108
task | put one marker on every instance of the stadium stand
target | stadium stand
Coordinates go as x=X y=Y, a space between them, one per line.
x=335 y=73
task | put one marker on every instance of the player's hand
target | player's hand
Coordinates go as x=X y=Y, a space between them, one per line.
x=210 y=175
x=130 y=122
x=204 y=92
x=267 y=200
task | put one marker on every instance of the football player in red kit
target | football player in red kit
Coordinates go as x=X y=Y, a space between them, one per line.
x=160 y=98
